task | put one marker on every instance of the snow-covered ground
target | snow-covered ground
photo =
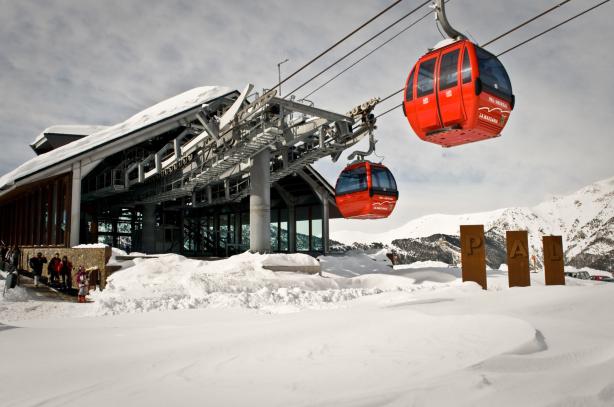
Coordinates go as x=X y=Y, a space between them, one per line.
x=175 y=331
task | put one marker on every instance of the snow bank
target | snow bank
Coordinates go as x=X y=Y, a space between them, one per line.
x=296 y=259
x=91 y=246
x=17 y=294
x=421 y=264
x=175 y=282
x=594 y=272
x=355 y=263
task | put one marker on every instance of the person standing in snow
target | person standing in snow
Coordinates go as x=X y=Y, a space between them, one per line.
x=53 y=269
x=82 y=282
x=36 y=263
x=3 y=251
x=66 y=273
x=15 y=257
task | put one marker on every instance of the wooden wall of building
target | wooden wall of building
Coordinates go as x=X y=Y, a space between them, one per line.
x=37 y=214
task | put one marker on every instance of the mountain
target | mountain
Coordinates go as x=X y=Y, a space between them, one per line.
x=584 y=218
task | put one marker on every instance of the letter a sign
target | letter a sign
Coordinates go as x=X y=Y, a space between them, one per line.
x=553 y=260
x=518 y=258
x=473 y=254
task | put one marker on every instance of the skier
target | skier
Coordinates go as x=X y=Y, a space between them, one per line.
x=36 y=263
x=82 y=282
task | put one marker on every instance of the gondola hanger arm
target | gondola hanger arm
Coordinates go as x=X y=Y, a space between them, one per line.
x=440 y=10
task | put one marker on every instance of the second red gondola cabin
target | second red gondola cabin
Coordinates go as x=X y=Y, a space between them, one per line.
x=366 y=190
x=458 y=94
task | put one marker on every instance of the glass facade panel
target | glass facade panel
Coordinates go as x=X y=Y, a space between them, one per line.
x=125 y=243
x=302 y=229
x=274 y=227
x=223 y=233
x=105 y=226
x=245 y=230
x=106 y=239
x=284 y=233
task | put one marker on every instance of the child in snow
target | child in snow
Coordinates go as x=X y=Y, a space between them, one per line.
x=82 y=282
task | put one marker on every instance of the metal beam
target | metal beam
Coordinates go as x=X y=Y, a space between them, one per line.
x=311 y=111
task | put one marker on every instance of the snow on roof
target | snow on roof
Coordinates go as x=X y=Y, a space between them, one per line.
x=70 y=129
x=444 y=43
x=154 y=114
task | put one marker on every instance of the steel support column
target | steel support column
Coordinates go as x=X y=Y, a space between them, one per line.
x=260 y=203
x=325 y=224
x=75 y=207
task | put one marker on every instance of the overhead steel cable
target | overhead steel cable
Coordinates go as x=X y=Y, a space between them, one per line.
x=366 y=55
x=509 y=49
x=389 y=110
x=321 y=54
x=489 y=42
x=553 y=28
x=358 y=47
x=525 y=23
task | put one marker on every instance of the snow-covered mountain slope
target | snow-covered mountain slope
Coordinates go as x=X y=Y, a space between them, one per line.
x=584 y=218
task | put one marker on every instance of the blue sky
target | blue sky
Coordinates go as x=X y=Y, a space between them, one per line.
x=99 y=62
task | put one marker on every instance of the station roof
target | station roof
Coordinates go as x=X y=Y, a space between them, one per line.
x=157 y=113
x=57 y=136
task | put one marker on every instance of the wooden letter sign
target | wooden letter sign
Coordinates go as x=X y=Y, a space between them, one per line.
x=473 y=254
x=518 y=258
x=553 y=260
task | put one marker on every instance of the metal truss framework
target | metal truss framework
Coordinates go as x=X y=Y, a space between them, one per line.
x=209 y=161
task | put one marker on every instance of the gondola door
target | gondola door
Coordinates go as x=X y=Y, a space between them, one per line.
x=426 y=100
x=449 y=96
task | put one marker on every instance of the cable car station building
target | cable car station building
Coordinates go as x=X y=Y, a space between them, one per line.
x=210 y=172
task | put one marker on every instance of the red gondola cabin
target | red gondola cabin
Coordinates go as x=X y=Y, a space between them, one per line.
x=366 y=190
x=458 y=94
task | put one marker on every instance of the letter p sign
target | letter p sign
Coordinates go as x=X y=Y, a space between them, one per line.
x=473 y=254
x=475 y=242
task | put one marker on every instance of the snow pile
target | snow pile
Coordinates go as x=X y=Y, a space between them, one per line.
x=380 y=256
x=600 y=273
x=91 y=246
x=296 y=259
x=175 y=282
x=355 y=263
x=69 y=129
x=17 y=294
x=421 y=264
x=114 y=262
